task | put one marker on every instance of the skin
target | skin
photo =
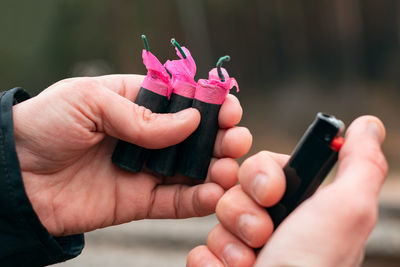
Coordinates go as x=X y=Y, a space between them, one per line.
x=328 y=229
x=65 y=137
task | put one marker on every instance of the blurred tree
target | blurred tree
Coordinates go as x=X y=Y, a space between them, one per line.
x=24 y=26
x=269 y=41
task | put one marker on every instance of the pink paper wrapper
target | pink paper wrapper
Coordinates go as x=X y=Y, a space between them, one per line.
x=157 y=79
x=213 y=90
x=183 y=72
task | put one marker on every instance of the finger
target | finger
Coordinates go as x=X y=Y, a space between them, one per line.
x=230 y=250
x=126 y=85
x=61 y=82
x=342 y=211
x=361 y=257
x=230 y=113
x=182 y=201
x=362 y=164
x=223 y=172
x=135 y=124
x=262 y=177
x=177 y=179
x=239 y=214
x=233 y=143
x=201 y=256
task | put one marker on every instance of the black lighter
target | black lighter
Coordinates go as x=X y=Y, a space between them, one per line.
x=311 y=161
x=154 y=95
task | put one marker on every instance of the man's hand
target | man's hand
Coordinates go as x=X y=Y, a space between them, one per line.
x=328 y=229
x=65 y=137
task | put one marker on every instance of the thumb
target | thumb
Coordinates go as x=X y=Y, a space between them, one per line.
x=135 y=124
x=362 y=164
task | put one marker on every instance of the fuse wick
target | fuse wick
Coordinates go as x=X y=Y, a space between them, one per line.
x=221 y=60
x=177 y=45
x=145 y=43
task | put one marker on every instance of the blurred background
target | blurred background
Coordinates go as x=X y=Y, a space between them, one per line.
x=291 y=59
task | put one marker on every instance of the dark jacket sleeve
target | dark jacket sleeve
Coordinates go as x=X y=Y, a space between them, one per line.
x=23 y=239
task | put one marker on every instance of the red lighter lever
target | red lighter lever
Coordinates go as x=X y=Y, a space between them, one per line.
x=337 y=143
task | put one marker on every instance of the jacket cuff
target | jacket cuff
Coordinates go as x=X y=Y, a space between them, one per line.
x=25 y=241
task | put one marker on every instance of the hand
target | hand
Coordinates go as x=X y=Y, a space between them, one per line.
x=65 y=137
x=328 y=229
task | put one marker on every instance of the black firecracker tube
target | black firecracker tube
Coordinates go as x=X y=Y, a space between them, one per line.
x=130 y=156
x=163 y=161
x=196 y=151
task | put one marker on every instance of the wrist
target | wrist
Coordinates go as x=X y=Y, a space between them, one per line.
x=23 y=141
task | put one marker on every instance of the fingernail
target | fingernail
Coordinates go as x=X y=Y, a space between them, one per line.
x=187 y=113
x=375 y=130
x=181 y=115
x=258 y=186
x=232 y=255
x=246 y=225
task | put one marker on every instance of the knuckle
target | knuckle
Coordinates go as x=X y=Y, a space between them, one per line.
x=88 y=88
x=221 y=205
x=262 y=154
x=362 y=211
x=215 y=232
x=193 y=256
x=373 y=156
x=225 y=203
x=143 y=117
x=377 y=159
x=256 y=158
x=146 y=115
x=87 y=83
x=380 y=162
